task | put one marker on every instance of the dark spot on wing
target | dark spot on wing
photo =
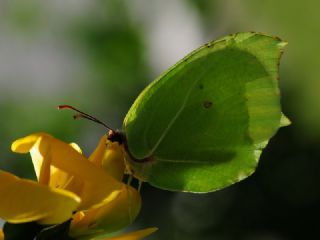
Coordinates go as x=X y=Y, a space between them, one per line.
x=207 y=104
x=201 y=86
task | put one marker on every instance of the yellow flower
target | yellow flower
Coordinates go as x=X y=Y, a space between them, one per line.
x=90 y=191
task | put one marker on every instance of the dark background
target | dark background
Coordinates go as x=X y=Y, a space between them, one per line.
x=99 y=54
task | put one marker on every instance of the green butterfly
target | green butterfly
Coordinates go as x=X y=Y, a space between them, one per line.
x=203 y=124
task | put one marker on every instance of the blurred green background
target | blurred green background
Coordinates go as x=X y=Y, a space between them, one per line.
x=99 y=54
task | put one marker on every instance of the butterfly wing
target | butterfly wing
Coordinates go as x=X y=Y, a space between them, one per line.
x=204 y=122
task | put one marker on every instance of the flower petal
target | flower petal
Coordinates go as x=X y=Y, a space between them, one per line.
x=110 y=216
x=98 y=153
x=25 y=201
x=62 y=179
x=76 y=147
x=137 y=235
x=1 y=235
x=59 y=178
x=109 y=156
x=23 y=145
x=97 y=183
x=41 y=163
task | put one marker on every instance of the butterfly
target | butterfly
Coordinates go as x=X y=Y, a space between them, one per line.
x=203 y=123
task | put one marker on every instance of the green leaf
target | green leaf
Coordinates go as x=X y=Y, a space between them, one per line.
x=203 y=123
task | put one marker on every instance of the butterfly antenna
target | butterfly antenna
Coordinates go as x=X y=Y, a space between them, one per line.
x=84 y=115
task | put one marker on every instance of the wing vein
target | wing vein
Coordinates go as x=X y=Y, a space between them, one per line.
x=175 y=116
